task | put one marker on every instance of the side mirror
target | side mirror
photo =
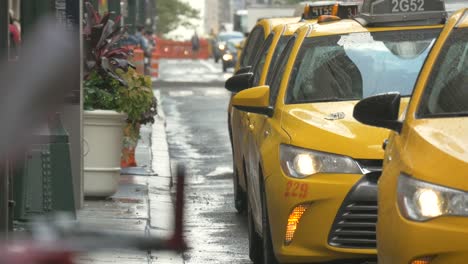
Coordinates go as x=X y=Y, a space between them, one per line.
x=239 y=82
x=246 y=69
x=380 y=111
x=254 y=100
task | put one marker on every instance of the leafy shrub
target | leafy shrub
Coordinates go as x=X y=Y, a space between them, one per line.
x=111 y=82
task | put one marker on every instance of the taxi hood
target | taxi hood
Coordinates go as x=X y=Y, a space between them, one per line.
x=331 y=127
x=437 y=150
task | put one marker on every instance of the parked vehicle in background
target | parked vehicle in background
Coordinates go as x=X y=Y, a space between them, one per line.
x=229 y=57
x=312 y=169
x=261 y=74
x=220 y=43
x=250 y=51
x=423 y=190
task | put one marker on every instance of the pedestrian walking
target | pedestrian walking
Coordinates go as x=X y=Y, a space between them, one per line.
x=195 y=44
x=140 y=38
x=143 y=43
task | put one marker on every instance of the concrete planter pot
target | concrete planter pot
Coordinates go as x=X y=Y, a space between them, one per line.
x=103 y=134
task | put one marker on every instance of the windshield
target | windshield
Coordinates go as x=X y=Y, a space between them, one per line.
x=231 y=44
x=446 y=93
x=228 y=36
x=358 y=65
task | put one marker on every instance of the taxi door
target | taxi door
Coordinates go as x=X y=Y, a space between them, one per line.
x=264 y=134
x=237 y=119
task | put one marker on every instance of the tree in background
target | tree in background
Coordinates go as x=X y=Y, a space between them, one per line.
x=172 y=14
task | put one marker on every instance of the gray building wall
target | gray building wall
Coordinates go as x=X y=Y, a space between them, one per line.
x=211 y=21
x=224 y=11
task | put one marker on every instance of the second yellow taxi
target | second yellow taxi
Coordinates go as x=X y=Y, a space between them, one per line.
x=312 y=169
x=423 y=191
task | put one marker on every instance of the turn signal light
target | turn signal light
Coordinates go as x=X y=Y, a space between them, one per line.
x=424 y=260
x=293 y=221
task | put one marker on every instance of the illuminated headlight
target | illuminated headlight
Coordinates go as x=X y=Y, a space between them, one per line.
x=227 y=57
x=221 y=46
x=301 y=163
x=422 y=201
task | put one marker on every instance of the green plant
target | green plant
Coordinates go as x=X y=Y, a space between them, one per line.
x=136 y=98
x=111 y=82
x=100 y=92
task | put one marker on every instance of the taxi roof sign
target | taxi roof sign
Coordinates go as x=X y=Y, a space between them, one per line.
x=402 y=12
x=316 y=9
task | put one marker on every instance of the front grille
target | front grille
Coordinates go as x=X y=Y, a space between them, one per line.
x=356 y=226
x=355 y=223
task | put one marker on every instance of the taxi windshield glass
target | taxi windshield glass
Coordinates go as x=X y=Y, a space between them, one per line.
x=358 y=65
x=446 y=93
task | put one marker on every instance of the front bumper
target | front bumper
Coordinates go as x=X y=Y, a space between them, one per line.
x=442 y=239
x=320 y=235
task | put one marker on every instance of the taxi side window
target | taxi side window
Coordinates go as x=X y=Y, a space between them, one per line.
x=259 y=64
x=278 y=50
x=446 y=93
x=251 y=48
x=278 y=71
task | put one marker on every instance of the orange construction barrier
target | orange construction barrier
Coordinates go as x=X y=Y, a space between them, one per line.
x=139 y=60
x=130 y=142
x=155 y=64
x=171 y=49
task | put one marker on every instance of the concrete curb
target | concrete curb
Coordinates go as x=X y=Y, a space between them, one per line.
x=161 y=208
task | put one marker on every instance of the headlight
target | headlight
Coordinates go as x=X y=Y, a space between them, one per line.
x=422 y=201
x=227 y=57
x=222 y=46
x=301 y=163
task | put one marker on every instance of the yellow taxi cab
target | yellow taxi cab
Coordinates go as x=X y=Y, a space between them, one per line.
x=311 y=166
x=250 y=51
x=423 y=190
x=260 y=75
x=247 y=77
x=264 y=38
x=239 y=48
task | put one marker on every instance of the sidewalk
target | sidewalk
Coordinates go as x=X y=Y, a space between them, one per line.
x=143 y=203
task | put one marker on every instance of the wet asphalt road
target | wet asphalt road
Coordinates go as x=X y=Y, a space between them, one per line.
x=198 y=137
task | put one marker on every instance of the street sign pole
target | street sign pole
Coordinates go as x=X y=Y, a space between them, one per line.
x=4 y=32
x=4 y=38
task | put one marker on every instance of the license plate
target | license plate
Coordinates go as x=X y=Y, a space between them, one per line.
x=403 y=6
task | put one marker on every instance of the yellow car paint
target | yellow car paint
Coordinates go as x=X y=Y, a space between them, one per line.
x=307 y=126
x=254 y=97
x=432 y=150
x=240 y=122
x=239 y=48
